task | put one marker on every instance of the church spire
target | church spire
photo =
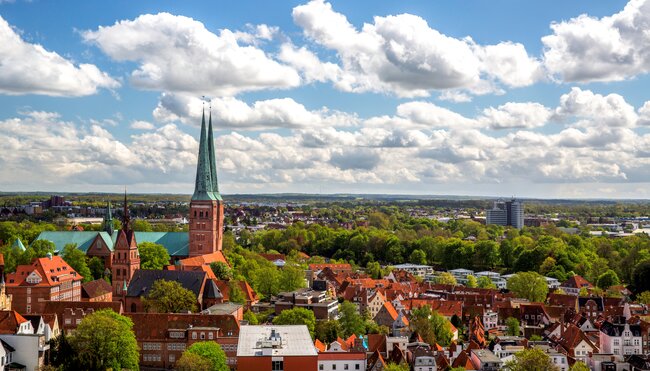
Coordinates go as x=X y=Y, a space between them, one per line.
x=203 y=189
x=126 y=219
x=213 y=166
x=108 y=219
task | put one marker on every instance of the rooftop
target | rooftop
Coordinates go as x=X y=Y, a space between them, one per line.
x=288 y=340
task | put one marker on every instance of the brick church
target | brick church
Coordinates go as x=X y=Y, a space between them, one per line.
x=119 y=249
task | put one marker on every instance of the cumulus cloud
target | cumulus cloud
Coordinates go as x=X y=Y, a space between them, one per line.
x=31 y=69
x=612 y=48
x=516 y=115
x=402 y=54
x=178 y=54
x=142 y=125
x=595 y=109
x=232 y=113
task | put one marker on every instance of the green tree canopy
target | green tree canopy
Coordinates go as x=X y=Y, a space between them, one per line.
x=192 y=362
x=531 y=359
x=641 y=276
x=607 y=279
x=485 y=282
x=221 y=270
x=169 y=297
x=418 y=257
x=292 y=277
x=104 y=340
x=236 y=293
x=212 y=352
x=297 y=316
x=351 y=321
x=153 y=255
x=431 y=326
x=512 y=325
x=328 y=331
x=471 y=281
x=528 y=285
x=77 y=260
x=267 y=281
x=446 y=278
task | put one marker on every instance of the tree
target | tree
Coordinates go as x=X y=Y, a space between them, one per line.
x=141 y=225
x=418 y=257
x=97 y=267
x=41 y=248
x=297 y=316
x=103 y=340
x=153 y=255
x=396 y=367
x=378 y=220
x=431 y=326
x=169 y=297
x=266 y=281
x=531 y=359
x=328 y=331
x=192 y=362
x=441 y=329
x=579 y=366
x=644 y=298
x=251 y=318
x=485 y=282
x=607 y=279
x=513 y=326
x=77 y=260
x=350 y=319
x=212 y=352
x=471 y=281
x=236 y=293
x=641 y=276
x=373 y=269
x=446 y=278
x=221 y=270
x=528 y=285
x=291 y=278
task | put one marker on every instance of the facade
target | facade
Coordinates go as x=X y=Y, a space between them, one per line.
x=415 y=269
x=276 y=348
x=341 y=360
x=70 y=313
x=620 y=339
x=316 y=301
x=49 y=278
x=5 y=300
x=508 y=213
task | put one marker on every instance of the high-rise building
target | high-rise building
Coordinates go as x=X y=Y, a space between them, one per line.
x=507 y=213
x=206 y=206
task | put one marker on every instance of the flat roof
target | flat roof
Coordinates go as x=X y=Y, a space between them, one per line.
x=296 y=341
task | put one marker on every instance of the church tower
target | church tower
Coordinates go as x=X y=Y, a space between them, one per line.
x=206 y=207
x=108 y=220
x=126 y=258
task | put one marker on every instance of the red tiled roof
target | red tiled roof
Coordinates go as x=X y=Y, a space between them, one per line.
x=9 y=321
x=206 y=259
x=58 y=307
x=318 y=267
x=376 y=342
x=2 y=259
x=319 y=345
x=274 y=257
x=577 y=282
x=464 y=361
x=52 y=271
x=154 y=326
x=95 y=288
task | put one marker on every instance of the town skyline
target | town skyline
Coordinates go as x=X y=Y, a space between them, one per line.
x=329 y=98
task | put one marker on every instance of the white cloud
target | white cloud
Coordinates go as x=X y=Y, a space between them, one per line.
x=142 y=125
x=644 y=114
x=516 y=115
x=595 y=109
x=403 y=55
x=612 y=48
x=178 y=54
x=31 y=69
x=232 y=113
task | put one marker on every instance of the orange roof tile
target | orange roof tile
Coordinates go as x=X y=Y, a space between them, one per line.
x=52 y=272
x=217 y=256
x=320 y=346
x=9 y=321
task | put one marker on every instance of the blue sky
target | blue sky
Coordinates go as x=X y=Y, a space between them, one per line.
x=535 y=99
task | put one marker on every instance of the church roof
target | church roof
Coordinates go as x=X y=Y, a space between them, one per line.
x=18 y=244
x=143 y=280
x=176 y=243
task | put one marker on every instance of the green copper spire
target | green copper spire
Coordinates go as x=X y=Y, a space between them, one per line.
x=213 y=166
x=203 y=185
x=108 y=219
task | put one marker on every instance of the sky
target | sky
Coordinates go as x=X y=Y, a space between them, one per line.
x=504 y=98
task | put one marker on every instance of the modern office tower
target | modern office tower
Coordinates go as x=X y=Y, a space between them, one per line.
x=507 y=213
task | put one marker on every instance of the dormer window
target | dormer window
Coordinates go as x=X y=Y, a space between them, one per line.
x=33 y=278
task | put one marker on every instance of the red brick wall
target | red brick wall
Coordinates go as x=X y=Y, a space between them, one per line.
x=206 y=233
x=298 y=363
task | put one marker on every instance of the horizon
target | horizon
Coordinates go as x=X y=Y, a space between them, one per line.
x=329 y=97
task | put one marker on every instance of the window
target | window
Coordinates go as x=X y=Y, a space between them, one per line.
x=68 y=321
x=356 y=367
x=29 y=291
x=172 y=358
x=277 y=366
x=334 y=367
x=202 y=335
x=194 y=335
x=321 y=367
x=346 y=367
x=29 y=309
x=210 y=335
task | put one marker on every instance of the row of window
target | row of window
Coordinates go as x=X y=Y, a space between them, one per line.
x=151 y=346
x=151 y=357
x=346 y=366
x=176 y=346
x=202 y=336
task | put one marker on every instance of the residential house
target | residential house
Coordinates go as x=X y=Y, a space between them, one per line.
x=271 y=348
x=573 y=285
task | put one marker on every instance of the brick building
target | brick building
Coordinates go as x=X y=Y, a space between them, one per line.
x=49 y=278
x=70 y=313
x=163 y=337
